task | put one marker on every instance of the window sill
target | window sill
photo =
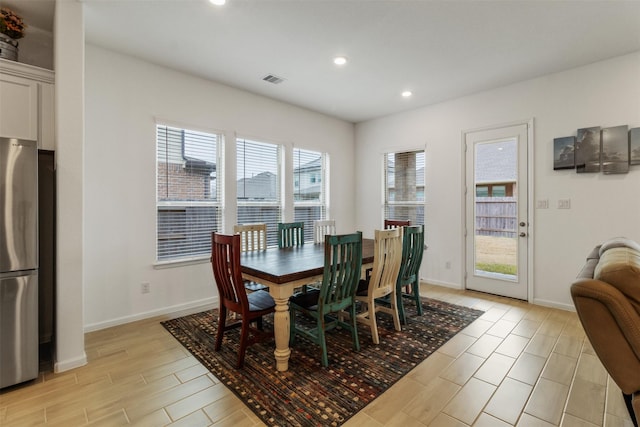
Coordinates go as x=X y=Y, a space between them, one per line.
x=160 y=265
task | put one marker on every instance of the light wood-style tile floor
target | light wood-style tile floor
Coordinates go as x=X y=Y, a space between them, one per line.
x=517 y=365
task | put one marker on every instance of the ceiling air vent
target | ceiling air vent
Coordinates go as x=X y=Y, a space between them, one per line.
x=272 y=79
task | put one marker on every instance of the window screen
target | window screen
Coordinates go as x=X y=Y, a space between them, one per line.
x=309 y=188
x=404 y=186
x=188 y=192
x=258 y=185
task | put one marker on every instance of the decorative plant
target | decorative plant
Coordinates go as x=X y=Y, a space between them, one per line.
x=11 y=24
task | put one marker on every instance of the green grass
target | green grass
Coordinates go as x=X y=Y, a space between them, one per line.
x=497 y=268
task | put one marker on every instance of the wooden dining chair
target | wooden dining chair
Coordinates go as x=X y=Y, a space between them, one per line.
x=393 y=223
x=253 y=237
x=342 y=264
x=409 y=276
x=323 y=227
x=290 y=234
x=225 y=261
x=387 y=257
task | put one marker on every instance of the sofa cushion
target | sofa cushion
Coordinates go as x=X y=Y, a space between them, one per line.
x=619 y=242
x=620 y=267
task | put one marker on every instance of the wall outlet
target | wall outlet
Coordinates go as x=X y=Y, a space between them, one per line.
x=447 y=265
x=145 y=287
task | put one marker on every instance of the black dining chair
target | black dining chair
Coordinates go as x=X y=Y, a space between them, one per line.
x=225 y=261
x=408 y=285
x=342 y=269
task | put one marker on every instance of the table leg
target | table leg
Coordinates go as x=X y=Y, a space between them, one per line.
x=281 y=331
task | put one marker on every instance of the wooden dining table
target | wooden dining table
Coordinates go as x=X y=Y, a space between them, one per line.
x=284 y=270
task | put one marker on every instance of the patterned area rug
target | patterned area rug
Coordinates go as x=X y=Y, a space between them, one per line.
x=308 y=394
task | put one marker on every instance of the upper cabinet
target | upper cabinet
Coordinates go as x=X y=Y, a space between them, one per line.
x=27 y=103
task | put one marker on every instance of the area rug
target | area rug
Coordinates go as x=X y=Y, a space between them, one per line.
x=308 y=394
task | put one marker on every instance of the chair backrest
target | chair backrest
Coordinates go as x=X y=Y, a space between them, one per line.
x=290 y=234
x=342 y=270
x=387 y=259
x=323 y=227
x=253 y=237
x=412 y=251
x=225 y=261
x=393 y=223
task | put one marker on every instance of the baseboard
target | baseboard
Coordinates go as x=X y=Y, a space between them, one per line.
x=440 y=283
x=554 y=304
x=187 y=308
x=70 y=364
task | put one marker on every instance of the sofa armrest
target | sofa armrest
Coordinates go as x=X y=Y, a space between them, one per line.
x=613 y=326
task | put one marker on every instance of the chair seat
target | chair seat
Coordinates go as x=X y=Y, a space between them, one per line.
x=260 y=300
x=363 y=288
x=308 y=300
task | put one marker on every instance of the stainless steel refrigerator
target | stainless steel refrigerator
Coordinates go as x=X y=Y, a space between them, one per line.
x=18 y=261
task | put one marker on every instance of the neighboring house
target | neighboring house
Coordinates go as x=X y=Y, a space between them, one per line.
x=496 y=169
x=307 y=180
x=262 y=186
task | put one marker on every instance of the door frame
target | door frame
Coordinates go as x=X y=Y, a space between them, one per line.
x=530 y=200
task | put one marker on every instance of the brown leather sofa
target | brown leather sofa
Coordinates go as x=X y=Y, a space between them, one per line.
x=606 y=295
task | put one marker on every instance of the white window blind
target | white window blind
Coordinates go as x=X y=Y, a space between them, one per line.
x=188 y=192
x=258 y=185
x=309 y=188
x=404 y=186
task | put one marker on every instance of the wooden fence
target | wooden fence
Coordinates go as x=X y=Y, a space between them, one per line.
x=496 y=216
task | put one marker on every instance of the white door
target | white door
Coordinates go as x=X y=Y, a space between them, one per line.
x=496 y=205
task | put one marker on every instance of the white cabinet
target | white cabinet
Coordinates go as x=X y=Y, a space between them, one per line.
x=27 y=103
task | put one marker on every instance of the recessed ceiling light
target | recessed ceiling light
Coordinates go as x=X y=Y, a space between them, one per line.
x=406 y=94
x=218 y=2
x=340 y=60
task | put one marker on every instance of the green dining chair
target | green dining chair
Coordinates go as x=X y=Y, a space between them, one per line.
x=409 y=277
x=290 y=234
x=342 y=265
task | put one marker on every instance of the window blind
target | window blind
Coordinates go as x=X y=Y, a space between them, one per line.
x=404 y=186
x=309 y=188
x=258 y=185
x=188 y=192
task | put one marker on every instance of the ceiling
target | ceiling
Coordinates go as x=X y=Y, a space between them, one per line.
x=439 y=50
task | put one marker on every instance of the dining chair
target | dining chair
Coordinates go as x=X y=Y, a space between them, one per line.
x=290 y=234
x=253 y=237
x=393 y=223
x=387 y=257
x=409 y=276
x=342 y=265
x=323 y=227
x=225 y=261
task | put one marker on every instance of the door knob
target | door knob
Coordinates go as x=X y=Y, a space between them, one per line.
x=523 y=234
x=522 y=223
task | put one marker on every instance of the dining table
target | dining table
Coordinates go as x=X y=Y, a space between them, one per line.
x=283 y=270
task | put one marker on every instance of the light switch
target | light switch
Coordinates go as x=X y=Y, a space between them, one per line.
x=542 y=204
x=564 y=203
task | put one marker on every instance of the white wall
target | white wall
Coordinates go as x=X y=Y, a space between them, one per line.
x=602 y=206
x=124 y=96
x=69 y=136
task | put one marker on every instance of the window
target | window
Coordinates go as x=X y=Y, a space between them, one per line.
x=258 y=183
x=482 y=191
x=404 y=186
x=188 y=192
x=310 y=195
